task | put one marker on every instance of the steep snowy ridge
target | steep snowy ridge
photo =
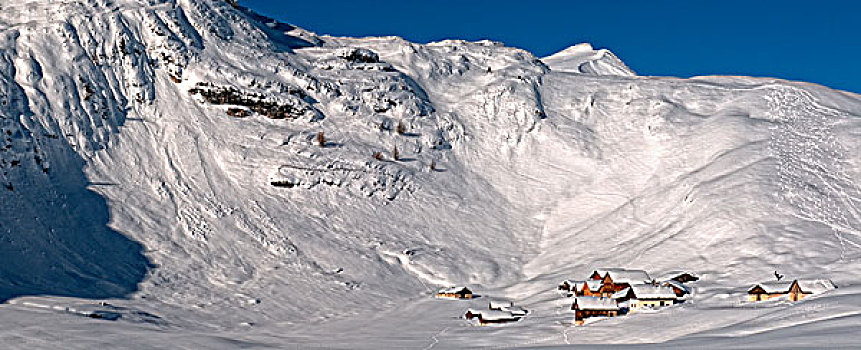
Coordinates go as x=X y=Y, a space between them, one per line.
x=583 y=59
x=223 y=179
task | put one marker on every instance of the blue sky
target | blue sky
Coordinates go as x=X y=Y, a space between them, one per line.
x=815 y=41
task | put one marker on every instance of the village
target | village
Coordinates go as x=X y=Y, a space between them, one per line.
x=615 y=292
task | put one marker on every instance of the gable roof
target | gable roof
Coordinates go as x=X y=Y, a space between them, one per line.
x=492 y=315
x=621 y=294
x=499 y=304
x=454 y=290
x=650 y=291
x=625 y=275
x=816 y=286
x=678 y=273
x=595 y=304
x=497 y=315
x=594 y=285
x=807 y=286
x=774 y=287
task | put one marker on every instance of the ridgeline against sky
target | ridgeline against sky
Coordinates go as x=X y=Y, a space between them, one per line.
x=816 y=42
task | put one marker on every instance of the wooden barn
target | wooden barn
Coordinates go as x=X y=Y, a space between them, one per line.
x=455 y=293
x=586 y=307
x=793 y=291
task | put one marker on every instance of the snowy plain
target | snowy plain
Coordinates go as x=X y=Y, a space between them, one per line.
x=138 y=213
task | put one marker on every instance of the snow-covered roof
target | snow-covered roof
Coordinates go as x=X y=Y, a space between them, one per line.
x=625 y=275
x=773 y=287
x=594 y=285
x=676 y=273
x=516 y=310
x=578 y=285
x=677 y=284
x=807 y=286
x=621 y=294
x=499 y=304
x=454 y=290
x=816 y=286
x=496 y=315
x=595 y=303
x=650 y=291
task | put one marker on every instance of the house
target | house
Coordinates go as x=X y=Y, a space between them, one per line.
x=794 y=290
x=454 y=293
x=486 y=317
x=645 y=297
x=615 y=280
x=680 y=276
x=586 y=307
x=582 y=288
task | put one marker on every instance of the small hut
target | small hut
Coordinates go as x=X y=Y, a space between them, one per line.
x=454 y=293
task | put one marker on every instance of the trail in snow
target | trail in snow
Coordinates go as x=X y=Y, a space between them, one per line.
x=812 y=168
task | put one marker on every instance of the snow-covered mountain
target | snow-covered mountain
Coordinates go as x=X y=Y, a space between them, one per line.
x=216 y=178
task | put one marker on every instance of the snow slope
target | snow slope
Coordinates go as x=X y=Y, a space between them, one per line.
x=132 y=195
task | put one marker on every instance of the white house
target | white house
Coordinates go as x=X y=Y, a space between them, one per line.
x=646 y=297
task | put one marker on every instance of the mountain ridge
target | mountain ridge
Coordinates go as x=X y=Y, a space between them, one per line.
x=192 y=130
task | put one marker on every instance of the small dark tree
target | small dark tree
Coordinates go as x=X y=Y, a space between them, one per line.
x=489 y=70
x=432 y=165
x=321 y=139
x=401 y=129
x=395 y=154
x=378 y=155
